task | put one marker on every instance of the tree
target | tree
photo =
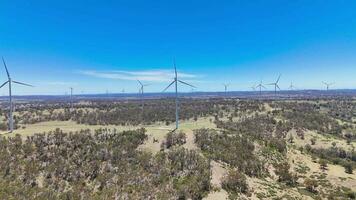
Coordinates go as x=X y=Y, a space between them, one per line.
x=282 y=171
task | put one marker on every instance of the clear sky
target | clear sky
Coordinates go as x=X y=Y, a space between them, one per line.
x=98 y=45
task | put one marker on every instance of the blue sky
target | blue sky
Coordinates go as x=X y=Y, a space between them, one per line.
x=98 y=45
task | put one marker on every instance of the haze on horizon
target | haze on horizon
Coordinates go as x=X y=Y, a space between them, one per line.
x=94 y=47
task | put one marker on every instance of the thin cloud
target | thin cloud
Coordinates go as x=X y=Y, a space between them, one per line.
x=148 y=75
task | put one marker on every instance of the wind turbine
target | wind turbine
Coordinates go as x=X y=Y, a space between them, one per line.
x=71 y=97
x=260 y=85
x=175 y=81
x=226 y=85
x=328 y=85
x=291 y=87
x=276 y=85
x=10 y=81
x=141 y=91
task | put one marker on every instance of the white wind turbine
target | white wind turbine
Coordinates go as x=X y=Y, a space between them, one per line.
x=226 y=86
x=291 y=87
x=175 y=81
x=10 y=81
x=71 y=98
x=328 y=85
x=141 y=91
x=275 y=84
x=260 y=86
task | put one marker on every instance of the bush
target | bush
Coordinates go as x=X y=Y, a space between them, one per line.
x=313 y=141
x=235 y=182
x=348 y=167
x=351 y=195
x=311 y=185
x=323 y=164
x=173 y=138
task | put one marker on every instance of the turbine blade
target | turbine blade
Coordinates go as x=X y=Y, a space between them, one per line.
x=169 y=86
x=175 y=67
x=279 y=77
x=278 y=87
x=7 y=71
x=23 y=84
x=263 y=86
x=139 y=82
x=271 y=84
x=187 y=84
x=4 y=84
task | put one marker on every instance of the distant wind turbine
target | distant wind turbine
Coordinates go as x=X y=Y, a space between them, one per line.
x=226 y=85
x=10 y=81
x=175 y=81
x=291 y=87
x=260 y=86
x=71 y=97
x=275 y=84
x=328 y=85
x=141 y=91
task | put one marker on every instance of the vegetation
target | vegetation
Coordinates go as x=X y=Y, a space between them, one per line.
x=174 y=139
x=275 y=145
x=231 y=149
x=105 y=164
x=235 y=183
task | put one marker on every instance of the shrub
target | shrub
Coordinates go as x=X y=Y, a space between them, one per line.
x=173 y=138
x=313 y=141
x=235 y=182
x=348 y=167
x=323 y=164
x=311 y=185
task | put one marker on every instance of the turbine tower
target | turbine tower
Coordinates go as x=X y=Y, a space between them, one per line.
x=226 y=85
x=328 y=85
x=141 y=91
x=276 y=85
x=260 y=86
x=175 y=82
x=10 y=81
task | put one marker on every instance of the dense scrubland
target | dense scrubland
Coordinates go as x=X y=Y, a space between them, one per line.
x=266 y=149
